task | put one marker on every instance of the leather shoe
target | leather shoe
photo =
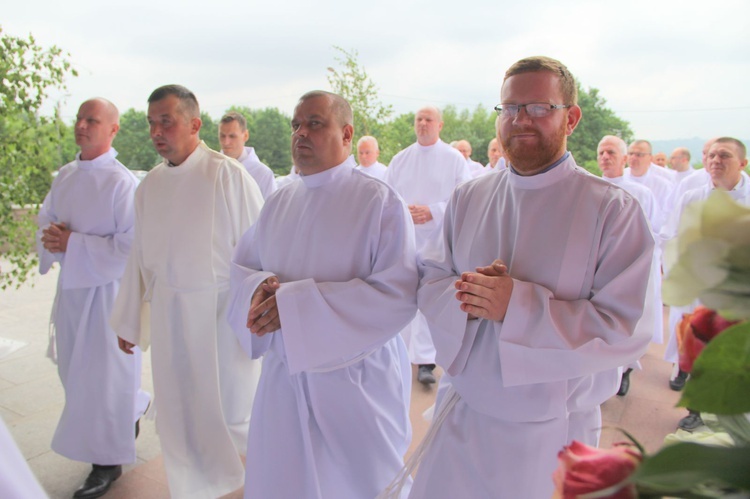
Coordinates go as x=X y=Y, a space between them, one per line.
x=425 y=374
x=98 y=482
x=678 y=383
x=624 y=383
x=690 y=422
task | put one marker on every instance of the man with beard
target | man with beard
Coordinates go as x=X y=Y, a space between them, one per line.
x=535 y=287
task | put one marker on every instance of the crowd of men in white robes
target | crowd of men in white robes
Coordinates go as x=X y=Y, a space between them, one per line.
x=532 y=283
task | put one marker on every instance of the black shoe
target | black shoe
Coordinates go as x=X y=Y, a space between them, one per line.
x=98 y=482
x=624 y=383
x=425 y=374
x=691 y=421
x=678 y=383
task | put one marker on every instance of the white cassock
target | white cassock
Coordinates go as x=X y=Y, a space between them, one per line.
x=331 y=416
x=475 y=168
x=261 y=173
x=680 y=176
x=16 y=479
x=377 y=170
x=741 y=194
x=664 y=172
x=188 y=220
x=579 y=251
x=661 y=187
x=102 y=384
x=426 y=175
x=287 y=179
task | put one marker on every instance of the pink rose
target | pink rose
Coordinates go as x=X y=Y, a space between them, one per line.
x=694 y=331
x=585 y=469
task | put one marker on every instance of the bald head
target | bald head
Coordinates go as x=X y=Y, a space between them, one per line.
x=679 y=160
x=464 y=147
x=428 y=122
x=97 y=124
x=339 y=106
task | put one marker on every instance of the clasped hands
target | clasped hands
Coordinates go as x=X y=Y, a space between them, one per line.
x=485 y=294
x=420 y=213
x=55 y=238
x=263 y=316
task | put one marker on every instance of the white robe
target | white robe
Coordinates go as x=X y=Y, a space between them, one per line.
x=376 y=170
x=426 y=175
x=188 y=220
x=261 y=173
x=331 y=416
x=102 y=384
x=661 y=187
x=287 y=179
x=741 y=194
x=664 y=172
x=16 y=478
x=475 y=168
x=579 y=251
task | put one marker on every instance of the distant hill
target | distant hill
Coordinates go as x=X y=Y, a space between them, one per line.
x=694 y=145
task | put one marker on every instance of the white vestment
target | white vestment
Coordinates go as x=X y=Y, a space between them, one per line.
x=331 y=416
x=426 y=175
x=475 y=168
x=94 y=199
x=664 y=172
x=661 y=187
x=188 y=220
x=261 y=173
x=377 y=170
x=741 y=194
x=16 y=478
x=287 y=179
x=579 y=251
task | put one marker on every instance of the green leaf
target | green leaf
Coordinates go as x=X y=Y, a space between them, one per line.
x=720 y=380
x=683 y=467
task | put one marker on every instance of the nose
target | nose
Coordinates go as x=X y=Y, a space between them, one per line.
x=155 y=130
x=522 y=116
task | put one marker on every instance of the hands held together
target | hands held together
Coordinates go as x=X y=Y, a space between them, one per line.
x=263 y=316
x=485 y=294
x=55 y=238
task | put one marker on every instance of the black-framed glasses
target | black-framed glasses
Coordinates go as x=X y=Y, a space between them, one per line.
x=533 y=109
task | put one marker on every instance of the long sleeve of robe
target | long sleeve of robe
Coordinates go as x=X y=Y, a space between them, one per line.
x=188 y=220
x=342 y=246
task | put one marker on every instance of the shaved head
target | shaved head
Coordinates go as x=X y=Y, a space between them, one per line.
x=341 y=108
x=108 y=108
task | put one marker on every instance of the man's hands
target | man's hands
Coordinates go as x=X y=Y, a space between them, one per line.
x=125 y=346
x=485 y=294
x=263 y=316
x=420 y=213
x=55 y=238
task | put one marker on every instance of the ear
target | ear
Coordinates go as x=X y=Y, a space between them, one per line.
x=348 y=134
x=574 y=117
x=245 y=136
x=115 y=129
x=195 y=125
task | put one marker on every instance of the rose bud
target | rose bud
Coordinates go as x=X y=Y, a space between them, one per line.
x=585 y=469
x=706 y=323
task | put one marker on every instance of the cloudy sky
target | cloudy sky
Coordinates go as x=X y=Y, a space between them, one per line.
x=673 y=69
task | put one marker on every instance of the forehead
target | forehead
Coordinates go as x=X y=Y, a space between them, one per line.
x=609 y=145
x=367 y=144
x=90 y=107
x=536 y=86
x=232 y=126
x=724 y=147
x=426 y=114
x=314 y=106
x=167 y=105
x=639 y=147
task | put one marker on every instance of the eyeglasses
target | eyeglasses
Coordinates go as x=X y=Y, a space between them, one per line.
x=533 y=109
x=638 y=154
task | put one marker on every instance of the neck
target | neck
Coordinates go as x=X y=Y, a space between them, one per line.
x=427 y=142
x=177 y=160
x=89 y=154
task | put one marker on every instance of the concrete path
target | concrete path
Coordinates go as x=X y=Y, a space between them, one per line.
x=31 y=399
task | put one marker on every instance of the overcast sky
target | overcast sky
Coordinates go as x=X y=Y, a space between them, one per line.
x=673 y=69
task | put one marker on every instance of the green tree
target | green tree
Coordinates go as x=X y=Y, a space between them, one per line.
x=597 y=121
x=270 y=135
x=133 y=142
x=28 y=144
x=352 y=82
x=478 y=127
x=210 y=131
x=395 y=135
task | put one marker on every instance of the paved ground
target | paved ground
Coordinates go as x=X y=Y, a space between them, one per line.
x=31 y=399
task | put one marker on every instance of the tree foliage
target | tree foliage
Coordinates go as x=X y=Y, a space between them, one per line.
x=270 y=135
x=29 y=144
x=352 y=82
x=133 y=142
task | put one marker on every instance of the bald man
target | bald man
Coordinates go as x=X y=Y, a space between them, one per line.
x=495 y=155
x=367 y=155
x=642 y=170
x=425 y=174
x=679 y=162
x=86 y=226
x=464 y=147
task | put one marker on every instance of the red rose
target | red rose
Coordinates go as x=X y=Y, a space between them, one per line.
x=694 y=331
x=585 y=469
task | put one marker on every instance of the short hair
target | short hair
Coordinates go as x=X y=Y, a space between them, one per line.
x=433 y=108
x=234 y=116
x=341 y=107
x=620 y=143
x=683 y=151
x=368 y=138
x=568 y=85
x=188 y=102
x=641 y=141
x=731 y=140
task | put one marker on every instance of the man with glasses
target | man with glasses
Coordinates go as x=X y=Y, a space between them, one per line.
x=532 y=292
x=641 y=170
